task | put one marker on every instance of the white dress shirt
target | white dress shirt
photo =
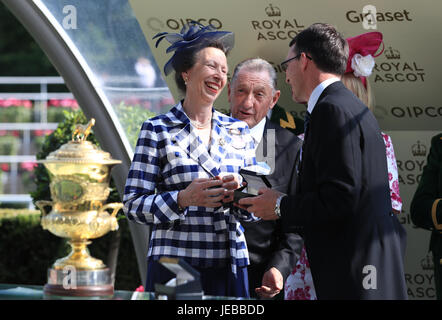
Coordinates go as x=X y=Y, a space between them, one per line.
x=258 y=131
x=316 y=93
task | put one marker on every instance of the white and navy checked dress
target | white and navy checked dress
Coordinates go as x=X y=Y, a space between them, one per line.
x=168 y=157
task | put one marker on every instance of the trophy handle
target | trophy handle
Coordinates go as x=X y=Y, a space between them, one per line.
x=42 y=204
x=116 y=206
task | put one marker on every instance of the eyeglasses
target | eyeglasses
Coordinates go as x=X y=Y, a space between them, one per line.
x=285 y=63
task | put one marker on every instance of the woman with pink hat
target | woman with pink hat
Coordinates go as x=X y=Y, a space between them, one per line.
x=362 y=51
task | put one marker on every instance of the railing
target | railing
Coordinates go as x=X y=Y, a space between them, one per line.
x=9 y=179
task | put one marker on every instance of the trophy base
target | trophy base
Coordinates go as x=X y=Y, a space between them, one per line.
x=70 y=282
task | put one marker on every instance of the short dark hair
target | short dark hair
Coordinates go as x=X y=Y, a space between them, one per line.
x=185 y=59
x=327 y=47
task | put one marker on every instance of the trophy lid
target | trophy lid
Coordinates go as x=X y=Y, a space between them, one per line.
x=80 y=151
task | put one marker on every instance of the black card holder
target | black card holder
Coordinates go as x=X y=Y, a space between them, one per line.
x=254 y=182
x=237 y=195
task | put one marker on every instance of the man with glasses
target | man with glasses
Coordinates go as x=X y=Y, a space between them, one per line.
x=355 y=245
x=252 y=93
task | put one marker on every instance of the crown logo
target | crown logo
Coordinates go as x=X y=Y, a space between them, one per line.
x=418 y=149
x=272 y=11
x=391 y=53
x=427 y=263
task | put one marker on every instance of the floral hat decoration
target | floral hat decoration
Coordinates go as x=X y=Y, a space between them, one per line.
x=362 y=51
x=192 y=34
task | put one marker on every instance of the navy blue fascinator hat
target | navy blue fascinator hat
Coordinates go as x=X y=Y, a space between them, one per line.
x=193 y=35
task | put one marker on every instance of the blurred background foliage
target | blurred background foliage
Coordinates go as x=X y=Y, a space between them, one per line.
x=21 y=56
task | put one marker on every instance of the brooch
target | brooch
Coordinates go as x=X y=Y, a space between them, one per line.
x=234 y=131
x=238 y=142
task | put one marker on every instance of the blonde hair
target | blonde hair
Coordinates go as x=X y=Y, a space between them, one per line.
x=355 y=85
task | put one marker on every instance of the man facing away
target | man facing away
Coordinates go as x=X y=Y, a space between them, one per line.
x=354 y=243
x=273 y=252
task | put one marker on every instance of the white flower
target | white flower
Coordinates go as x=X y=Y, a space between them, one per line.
x=362 y=66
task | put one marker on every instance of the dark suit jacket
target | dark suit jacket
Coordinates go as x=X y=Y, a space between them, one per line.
x=427 y=192
x=268 y=245
x=286 y=120
x=354 y=244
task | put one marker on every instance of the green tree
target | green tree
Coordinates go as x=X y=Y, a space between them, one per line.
x=20 y=54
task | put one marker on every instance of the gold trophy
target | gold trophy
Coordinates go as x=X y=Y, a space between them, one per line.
x=79 y=172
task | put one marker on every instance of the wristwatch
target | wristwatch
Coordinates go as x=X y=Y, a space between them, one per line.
x=278 y=205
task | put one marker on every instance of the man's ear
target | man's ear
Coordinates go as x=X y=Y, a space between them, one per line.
x=228 y=92
x=305 y=61
x=275 y=98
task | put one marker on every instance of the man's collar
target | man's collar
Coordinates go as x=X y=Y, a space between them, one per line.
x=316 y=93
x=258 y=131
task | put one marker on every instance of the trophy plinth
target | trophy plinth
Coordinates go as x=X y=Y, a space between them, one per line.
x=79 y=283
x=79 y=173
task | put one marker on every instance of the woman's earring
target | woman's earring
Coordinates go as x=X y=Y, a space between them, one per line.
x=185 y=81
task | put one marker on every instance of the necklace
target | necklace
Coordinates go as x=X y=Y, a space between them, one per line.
x=200 y=125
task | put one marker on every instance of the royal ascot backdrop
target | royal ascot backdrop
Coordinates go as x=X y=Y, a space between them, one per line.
x=406 y=78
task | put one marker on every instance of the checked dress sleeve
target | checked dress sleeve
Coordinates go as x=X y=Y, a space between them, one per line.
x=141 y=203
